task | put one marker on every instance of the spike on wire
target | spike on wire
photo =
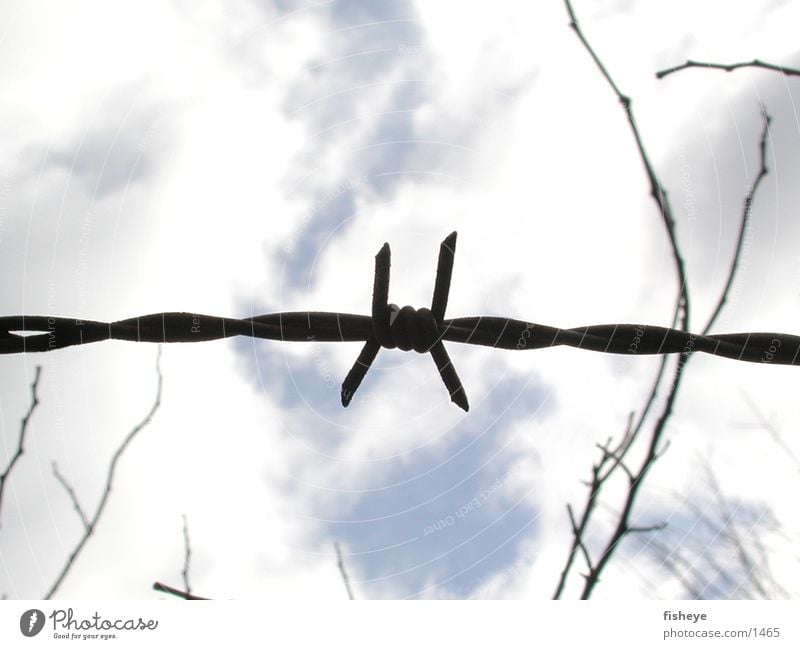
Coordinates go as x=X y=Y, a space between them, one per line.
x=390 y=327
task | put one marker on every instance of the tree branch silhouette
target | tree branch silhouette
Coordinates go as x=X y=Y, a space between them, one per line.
x=23 y=429
x=186 y=593
x=187 y=554
x=343 y=571
x=745 y=221
x=91 y=525
x=728 y=67
x=169 y=590
x=603 y=471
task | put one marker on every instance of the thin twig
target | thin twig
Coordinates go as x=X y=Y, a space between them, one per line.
x=72 y=496
x=578 y=535
x=680 y=316
x=23 y=429
x=186 y=593
x=745 y=222
x=187 y=553
x=163 y=588
x=623 y=526
x=599 y=477
x=109 y=482
x=345 y=578
x=646 y=529
x=729 y=67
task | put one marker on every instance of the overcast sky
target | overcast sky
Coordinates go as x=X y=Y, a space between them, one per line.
x=248 y=158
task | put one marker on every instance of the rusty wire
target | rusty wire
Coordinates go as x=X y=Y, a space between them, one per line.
x=422 y=330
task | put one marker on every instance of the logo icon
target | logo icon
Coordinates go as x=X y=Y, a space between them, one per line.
x=31 y=622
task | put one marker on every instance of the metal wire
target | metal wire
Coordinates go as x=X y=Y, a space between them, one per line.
x=422 y=330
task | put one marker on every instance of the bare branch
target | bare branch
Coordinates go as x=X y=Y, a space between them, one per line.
x=746 y=211
x=655 y=444
x=578 y=535
x=623 y=522
x=23 y=429
x=646 y=529
x=345 y=578
x=618 y=454
x=109 y=482
x=729 y=67
x=579 y=529
x=72 y=496
x=186 y=555
x=163 y=588
x=614 y=454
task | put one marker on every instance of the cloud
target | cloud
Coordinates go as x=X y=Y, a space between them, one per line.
x=111 y=155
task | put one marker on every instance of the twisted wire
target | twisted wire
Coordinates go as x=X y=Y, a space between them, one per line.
x=422 y=330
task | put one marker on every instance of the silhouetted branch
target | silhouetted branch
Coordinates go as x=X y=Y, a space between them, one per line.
x=600 y=474
x=163 y=588
x=92 y=524
x=746 y=211
x=646 y=529
x=187 y=553
x=654 y=447
x=72 y=496
x=729 y=67
x=186 y=593
x=577 y=534
x=23 y=429
x=345 y=578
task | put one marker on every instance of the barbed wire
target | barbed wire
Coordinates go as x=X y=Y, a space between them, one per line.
x=421 y=330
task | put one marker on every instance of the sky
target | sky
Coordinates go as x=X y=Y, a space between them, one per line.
x=243 y=159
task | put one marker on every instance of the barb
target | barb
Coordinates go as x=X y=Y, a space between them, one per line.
x=729 y=67
x=423 y=330
x=87 y=526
